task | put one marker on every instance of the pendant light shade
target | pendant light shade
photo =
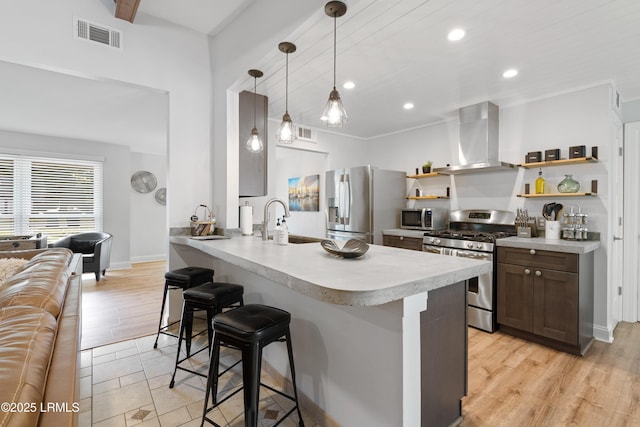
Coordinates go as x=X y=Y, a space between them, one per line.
x=254 y=143
x=334 y=114
x=287 y=130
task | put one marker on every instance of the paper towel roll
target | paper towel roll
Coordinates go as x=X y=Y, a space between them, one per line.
x=246 y=220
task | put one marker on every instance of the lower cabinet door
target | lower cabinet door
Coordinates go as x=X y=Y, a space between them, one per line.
x=556 y=305
x=515 y=296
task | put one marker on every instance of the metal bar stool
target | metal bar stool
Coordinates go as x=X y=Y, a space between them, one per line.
x=249 y=328
x=213 y=298
x=182 y=278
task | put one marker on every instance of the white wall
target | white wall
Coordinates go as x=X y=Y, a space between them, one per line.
x=156 y=54
x=233 y=51
x=116 y=188
x=577 y=118
x=631 y=111
x=149 y=231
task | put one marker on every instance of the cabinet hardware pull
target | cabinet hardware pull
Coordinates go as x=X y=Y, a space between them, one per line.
x=527 y=271
x=532 y=251
x=401 y=237
x=538 y=273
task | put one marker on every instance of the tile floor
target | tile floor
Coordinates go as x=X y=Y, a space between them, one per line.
x=127 y=384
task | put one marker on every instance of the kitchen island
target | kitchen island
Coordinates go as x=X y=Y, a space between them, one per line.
x=373 y=336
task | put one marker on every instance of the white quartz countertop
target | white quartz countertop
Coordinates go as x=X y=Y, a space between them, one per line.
x=382 y=275
x=542 y=244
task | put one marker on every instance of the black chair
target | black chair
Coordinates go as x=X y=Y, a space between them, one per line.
x=213 y=298
x=249 y=328
x=183 y=279
x=95 y=248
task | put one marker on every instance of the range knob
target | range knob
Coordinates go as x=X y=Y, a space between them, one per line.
x=479 y=245
x=470 y=245
x=436 y=241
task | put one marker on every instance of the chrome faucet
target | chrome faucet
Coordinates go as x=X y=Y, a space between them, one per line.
x=265 y=221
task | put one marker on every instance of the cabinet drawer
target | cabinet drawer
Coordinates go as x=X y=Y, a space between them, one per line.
x=539 y=259
x=403 y=242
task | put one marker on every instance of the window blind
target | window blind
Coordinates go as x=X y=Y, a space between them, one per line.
x=6 y=197
x=55 y=197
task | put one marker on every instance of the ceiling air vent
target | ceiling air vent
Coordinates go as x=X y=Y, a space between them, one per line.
x=306 y=134
x=96 y=33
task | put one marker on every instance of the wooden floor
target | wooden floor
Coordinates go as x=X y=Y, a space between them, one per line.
x=516 y=383
x=124 y=304
x=511 y=382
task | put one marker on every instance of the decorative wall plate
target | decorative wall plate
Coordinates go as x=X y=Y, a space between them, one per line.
x=143 y=182
x=161 y=196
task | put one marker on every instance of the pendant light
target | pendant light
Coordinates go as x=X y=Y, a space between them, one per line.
x=334 y=114
x=254 y=143
x=287 y=130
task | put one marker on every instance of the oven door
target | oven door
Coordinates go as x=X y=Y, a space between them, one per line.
x=481 y=287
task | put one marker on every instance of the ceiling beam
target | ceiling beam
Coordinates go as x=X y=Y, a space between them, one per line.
x=126 y=9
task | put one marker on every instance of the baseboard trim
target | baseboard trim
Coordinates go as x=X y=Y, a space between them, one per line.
x=149 y=258
x=602 y=333
x=122 y=265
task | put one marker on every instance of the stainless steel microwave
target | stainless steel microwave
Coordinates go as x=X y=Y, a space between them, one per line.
x=424 y=218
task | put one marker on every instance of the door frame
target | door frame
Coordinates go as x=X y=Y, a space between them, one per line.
x=631 y=191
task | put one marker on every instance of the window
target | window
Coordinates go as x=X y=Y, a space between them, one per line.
x=49 y=196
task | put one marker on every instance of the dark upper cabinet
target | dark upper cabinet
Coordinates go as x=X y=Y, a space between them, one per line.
x=252 y=166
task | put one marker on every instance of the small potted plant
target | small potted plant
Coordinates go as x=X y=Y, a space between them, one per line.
x=426 y=168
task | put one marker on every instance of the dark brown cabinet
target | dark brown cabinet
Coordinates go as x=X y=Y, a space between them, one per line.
x=547 y=297
x=403 y=242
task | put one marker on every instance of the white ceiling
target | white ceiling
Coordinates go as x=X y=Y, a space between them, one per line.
x=397 y=51
x=394 y=50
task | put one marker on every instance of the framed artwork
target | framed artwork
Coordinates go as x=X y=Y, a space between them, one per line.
x=304 y=193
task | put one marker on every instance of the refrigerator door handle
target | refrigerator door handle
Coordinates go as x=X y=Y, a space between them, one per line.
x=341 y=200
x=347 y=201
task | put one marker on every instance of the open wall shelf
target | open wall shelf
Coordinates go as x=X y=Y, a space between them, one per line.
x=557 y=195
x=562 y=162
x=426 y=197
x=425 y=175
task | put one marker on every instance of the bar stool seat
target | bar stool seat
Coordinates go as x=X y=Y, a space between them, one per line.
x=212 y=297
x=182 y=278
x=249 y=328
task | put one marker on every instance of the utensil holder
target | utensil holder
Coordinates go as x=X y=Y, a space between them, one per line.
x=552 y=230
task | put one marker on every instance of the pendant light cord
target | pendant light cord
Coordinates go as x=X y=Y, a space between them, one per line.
x=255 y=97
x=335 y=23
x=286 y=86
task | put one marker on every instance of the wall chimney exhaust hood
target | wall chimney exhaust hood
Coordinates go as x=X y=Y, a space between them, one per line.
x=478 y=147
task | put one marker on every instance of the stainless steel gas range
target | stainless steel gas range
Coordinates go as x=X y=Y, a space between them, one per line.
x=472 y=234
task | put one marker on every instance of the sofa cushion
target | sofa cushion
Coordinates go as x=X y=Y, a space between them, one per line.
x=42 y=282
x=27 y=337
x=82 y=246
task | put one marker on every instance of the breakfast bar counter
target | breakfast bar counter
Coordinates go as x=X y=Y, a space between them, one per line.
x=379 y=340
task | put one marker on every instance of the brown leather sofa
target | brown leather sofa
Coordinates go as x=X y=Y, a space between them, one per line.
x=40 y=341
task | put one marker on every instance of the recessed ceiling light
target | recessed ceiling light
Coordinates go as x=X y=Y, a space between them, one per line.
x=349 y=85
x=456 y=34
x=510 y=73
x=408 y=106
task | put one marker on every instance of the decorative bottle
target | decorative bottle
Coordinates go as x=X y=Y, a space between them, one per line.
x=277 y=231
x=284 y=233
x=568 y=185
x=540 y=183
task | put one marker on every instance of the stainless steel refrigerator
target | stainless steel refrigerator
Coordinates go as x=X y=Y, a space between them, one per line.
x=362 y=201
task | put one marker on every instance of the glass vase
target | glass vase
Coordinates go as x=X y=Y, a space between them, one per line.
x=568 y=185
